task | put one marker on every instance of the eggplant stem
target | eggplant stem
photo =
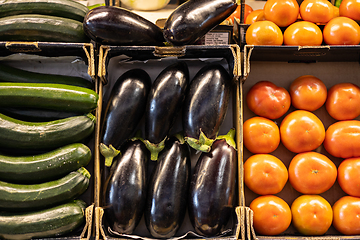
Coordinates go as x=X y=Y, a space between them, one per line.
x=109 y=153
x=229 y=138
x=154 y=148
x=202 y=144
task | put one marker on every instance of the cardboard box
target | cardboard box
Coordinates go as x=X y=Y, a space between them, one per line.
x=282 y=65
x=114 y=61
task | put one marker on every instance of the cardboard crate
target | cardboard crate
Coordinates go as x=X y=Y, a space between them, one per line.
x=281 y=65
x=72 y=59
x=115 y=60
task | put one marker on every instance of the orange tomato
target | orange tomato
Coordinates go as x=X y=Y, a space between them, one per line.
x=253 y=16
x=281 y=12
x=308 y=93
x=303 y=33
x=343 y=102
x=341 y=31
x=348 y=176
x=312 y=214
x=336 y=12
x=265 y=174
x=312 y=173
x=264 y=33
x=237 y=14
x=302 y=131
x=268 y=100
x=261 y=135
x=342 y=139
x=316 y=11
x=272 y=215
x=347 y=215
x=350 y=9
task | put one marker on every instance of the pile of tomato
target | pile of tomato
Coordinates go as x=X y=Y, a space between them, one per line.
x=312 y=23
x=310 y=172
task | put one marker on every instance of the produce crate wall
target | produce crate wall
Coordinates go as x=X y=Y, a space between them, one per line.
x=281 y=65
x=115 y=60
x=71 y=59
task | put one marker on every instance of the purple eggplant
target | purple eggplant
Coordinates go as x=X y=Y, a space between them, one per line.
x=118 y=26
x=165 y=100
x=124 y=110
x=194 y=18
x=126 y=187
x=212 y=187
x=205 y=106
x=168 y=189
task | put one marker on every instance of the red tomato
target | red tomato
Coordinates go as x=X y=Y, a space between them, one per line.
x=316 y=11
x=264 y=33
x=303 y=33
x=237 y=14
x=281 y=12
x=343 y=101
x=341 y=31
x=347 y=215
x=268 y=100
x=342 y=139
x=350 y=9
x=348 y=176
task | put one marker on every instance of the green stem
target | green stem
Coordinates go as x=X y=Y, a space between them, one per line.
x=109 y=153
x=84 y=172
x=154 y=148
x=229 y=138
x=202 y=144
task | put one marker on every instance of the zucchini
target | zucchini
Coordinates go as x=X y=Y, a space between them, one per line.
x=44 y=167
x=54 y=221
x=44 y=135
x=49 y=96
x=11 y=74
x=36 y=196
x=34 y=114
x=60 y=8
x=41 y=28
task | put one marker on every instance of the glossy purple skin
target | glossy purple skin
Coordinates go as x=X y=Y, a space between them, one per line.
x=212 y=189
x=168 y=190
x=194 y=18
x=206 y=102
x=125 y=189
x=165 y=100
x=118 y=26
x=126 y=107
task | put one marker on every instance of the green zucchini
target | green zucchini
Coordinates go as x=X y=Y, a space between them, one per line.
x=44 y=167
x=60 y=8
x=35 y=196
x=16 y=134
x=49 y=96
x=51 y=222
x=11 y=74
x=41 y=28
x=34 y=114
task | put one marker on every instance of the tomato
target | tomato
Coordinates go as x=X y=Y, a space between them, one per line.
x=312 y=214
x=265 y=174
x=312 y=173
x=308 y=93
x=264 y=33
x=343 y=102
x=261 y=135
x=281 y=12
x=341 y=31
x=302 y=131
x=272 y=215
x=303 y=33
x=347 y=215
x=316 y=11
x=342 y=139
x=253 y=16
x=348 y=176
x=268 y=100
x=350 y=9
x=237 y=14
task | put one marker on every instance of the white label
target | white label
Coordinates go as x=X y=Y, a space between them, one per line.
x=216 y=38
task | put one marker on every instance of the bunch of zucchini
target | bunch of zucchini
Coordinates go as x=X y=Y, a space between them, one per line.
x=42 y=20
x=42 y=163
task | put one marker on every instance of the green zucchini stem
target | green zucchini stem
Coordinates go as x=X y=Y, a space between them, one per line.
x=84 y=172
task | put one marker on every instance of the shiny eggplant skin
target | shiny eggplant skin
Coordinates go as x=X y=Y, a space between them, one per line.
x=168 y=190
x=194 y=18
x=165 y=100
x=206 y=103
x=212 y=189
x=113 y=25
x=126 y=187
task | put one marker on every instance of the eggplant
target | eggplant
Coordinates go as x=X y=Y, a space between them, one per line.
x=165 y=100
x=205 y=106
x=194 y=18
x=212 y=187
x=118 y=26
x=126 y=187
x=124 y=110
x=168 y=189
